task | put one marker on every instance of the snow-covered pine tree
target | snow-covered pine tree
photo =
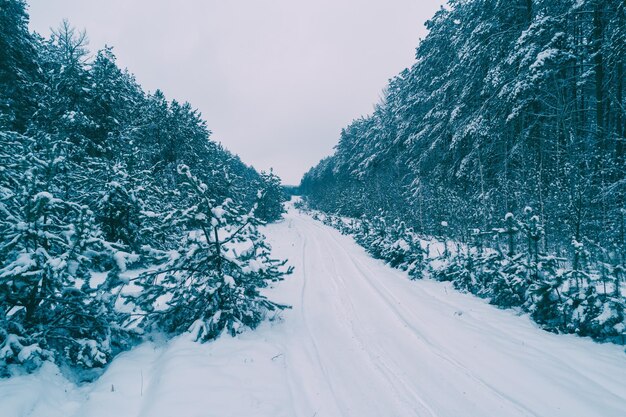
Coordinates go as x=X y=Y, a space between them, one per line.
x=600 y=306
x=19 y=69
x=489 y=265
x=270 y=198
x=377 y=234
x=119 y=209
x=401 y=248
x=211 y=282
x=463 y=270
x=509 y=285
x=50 y=307
x=546 y=301
x=88 y=177
x=459 y=268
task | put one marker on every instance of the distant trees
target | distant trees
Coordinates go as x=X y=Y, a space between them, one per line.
x=18 y=66
x=269 y=206
x=89 y=187
x=509 y=104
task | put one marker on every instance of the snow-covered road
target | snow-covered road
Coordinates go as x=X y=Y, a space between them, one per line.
x=361 y=340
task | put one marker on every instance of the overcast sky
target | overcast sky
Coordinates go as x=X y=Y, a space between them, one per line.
x=276 y=80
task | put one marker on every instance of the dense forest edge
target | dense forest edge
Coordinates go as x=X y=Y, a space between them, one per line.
x=119 y=217
x=506 y=137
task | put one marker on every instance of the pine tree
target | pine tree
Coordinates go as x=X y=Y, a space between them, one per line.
x=88 y=188
x=212 y=280
x=119 y=208
x=19 y=69
x=52 y=309
x=270 y=198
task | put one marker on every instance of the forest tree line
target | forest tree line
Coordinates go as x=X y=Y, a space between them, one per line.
x=98 y=177
x=506 y=136
x=510 y=104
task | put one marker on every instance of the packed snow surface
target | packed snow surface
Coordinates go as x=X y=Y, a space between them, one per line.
x=361 y=340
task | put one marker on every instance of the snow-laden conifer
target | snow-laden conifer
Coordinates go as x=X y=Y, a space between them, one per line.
x=211 y=282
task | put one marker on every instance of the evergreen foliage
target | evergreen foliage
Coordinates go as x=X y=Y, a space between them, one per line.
x=509 y=104
x=210 y=283
x=270 y=206
x=89 y=187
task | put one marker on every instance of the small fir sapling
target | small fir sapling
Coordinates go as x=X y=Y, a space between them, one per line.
x=211 y=282
x=270 y=198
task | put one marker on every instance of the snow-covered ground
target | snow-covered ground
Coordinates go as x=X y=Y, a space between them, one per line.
x=361 y=340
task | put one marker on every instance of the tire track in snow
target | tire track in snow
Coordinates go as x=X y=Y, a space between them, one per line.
x=558 y=365
x=313 y=342
x=393 y=379
x=289 y=370
x=395 y=305
x=515 y=337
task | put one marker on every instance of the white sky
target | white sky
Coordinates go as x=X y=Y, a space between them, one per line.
x=276 y=80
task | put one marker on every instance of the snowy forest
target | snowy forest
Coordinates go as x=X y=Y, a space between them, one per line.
x=98 y=177
x=460 y=251
x=508 y=133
